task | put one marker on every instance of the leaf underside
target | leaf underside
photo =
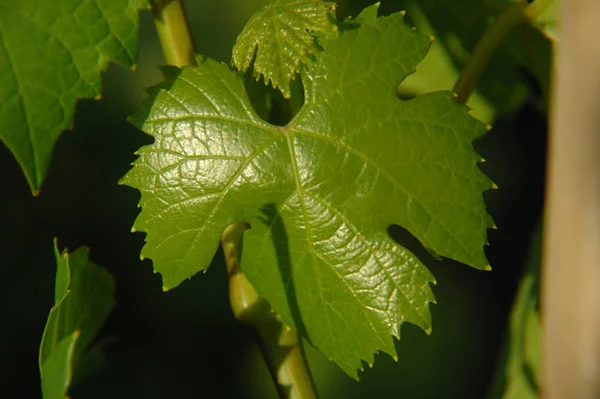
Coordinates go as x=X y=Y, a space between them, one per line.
x=51 y=55
x=83 y=298
x=320 y=192
x=280 y=39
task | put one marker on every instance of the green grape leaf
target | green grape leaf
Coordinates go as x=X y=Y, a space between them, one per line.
x=320 y=192
x=83 y=297
x=280 y=39
x=51 y=55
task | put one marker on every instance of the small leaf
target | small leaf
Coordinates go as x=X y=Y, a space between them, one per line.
x=58 y=368
x=281 y=37
x=51 y=55
x=320 y=192
x=83 y=301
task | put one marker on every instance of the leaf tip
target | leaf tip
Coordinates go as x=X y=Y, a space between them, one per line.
x=431 y=38
x=402 y=13
x=488 y=268
x=488 y=127
x=165 y=288
x=134 y=68
x=133 y=229
x=494 y=186
x=428 y=331
x=97 y=98
x=142 y=257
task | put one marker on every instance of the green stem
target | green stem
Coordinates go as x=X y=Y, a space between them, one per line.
x=174 y=32
x=280 y=345
x=514 y=16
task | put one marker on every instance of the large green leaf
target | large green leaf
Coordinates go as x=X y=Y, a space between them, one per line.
x=279 y=39
x=51 y=54
x=83 y=298
x=319 y=192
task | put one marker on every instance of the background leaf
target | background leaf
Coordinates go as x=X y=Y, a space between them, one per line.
x=518 y=369
x=319 y=192
x=40 y=84
x=58 y=368
x=547 y=19
x=83 y=301
x=279 y=39
x=505 y=84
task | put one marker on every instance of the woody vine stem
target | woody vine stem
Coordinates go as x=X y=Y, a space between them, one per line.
x=281 y=346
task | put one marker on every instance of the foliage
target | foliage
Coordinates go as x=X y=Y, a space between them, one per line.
x=519 y=366
x=280 y=38
x=83 y=300
x=41 y=84
x=320 y=190
x=319 y=193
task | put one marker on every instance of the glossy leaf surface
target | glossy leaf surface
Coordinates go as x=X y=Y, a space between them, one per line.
x=319 y=192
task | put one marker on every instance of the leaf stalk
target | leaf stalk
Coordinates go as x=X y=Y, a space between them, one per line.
x=174 y=32
x=280 y=345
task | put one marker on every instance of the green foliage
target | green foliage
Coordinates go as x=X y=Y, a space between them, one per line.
x=518 y=369
x=83 y=299
x=547 y=19
x=51 y=55
x=280 y=39
x=460 y=24
x=319 y=192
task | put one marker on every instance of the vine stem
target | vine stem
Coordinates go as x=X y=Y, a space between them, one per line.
x=280 y=345
x=174 y=32
x=514 y=16
x=571 y=257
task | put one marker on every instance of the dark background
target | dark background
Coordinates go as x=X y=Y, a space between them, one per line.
x=185 y=343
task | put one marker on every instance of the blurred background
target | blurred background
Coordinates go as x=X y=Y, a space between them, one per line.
x=185 y=343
